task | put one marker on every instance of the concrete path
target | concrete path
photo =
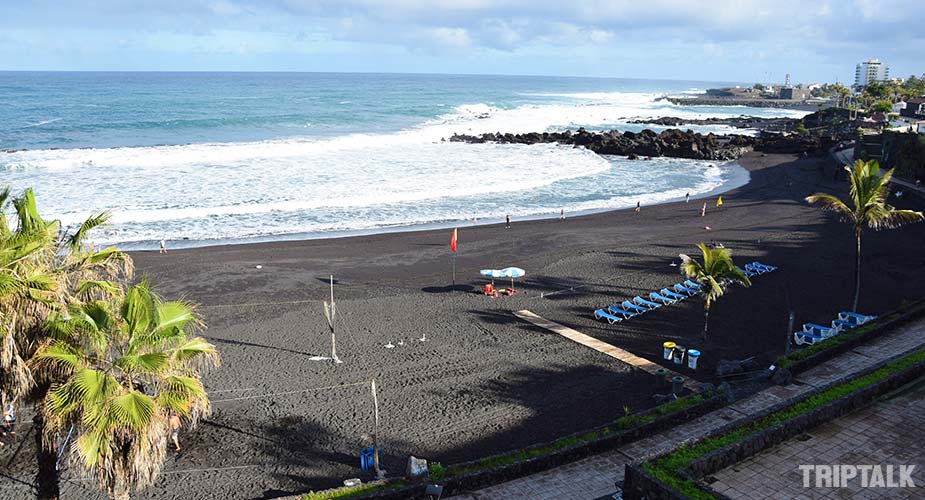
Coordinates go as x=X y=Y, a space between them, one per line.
x=594 y=477
x=601 y=346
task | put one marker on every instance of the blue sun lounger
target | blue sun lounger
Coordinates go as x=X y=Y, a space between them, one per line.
x=661 y=298
x=690 y=292
x=691 y=284
x=747 y=272
x=824 y=331
x=806 y=338
x=755 y=269
x=668 y=293
x=844 y=325
x=621 y=312
x=853 y=317
x=766 y=267
x=602 y=314
x=646 y=303
x=629 y=306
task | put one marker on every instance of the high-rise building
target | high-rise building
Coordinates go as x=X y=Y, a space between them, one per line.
x=869 y=72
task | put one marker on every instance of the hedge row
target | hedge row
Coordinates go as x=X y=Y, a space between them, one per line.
x=671 y=469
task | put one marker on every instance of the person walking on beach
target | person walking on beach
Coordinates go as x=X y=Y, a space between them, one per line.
x=174 y=424
x=703 y=210
x=507 y=221
x=163 y=246
x=9 y=419
x=638 y=207
x=687 y=198
x=562 y=214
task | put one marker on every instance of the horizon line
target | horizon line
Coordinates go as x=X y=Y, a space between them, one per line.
x=421 y=73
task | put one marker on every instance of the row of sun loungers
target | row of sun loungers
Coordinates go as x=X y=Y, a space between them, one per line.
x=813 y=332
x=680 y=291
x=639 y=305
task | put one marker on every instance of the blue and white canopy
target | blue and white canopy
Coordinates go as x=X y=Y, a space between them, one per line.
x=492 y=273
x=513 y=272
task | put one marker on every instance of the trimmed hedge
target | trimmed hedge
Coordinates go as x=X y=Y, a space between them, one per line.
x=671 y=470
x=506 y=466
x=807 y=357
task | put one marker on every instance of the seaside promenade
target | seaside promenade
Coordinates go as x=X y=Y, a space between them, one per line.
x=595 y=477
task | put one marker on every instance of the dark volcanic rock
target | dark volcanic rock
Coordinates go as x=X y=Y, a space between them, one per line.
x=672 y=142
x=813 y=134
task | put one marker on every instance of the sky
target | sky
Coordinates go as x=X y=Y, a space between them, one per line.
x=715 y=40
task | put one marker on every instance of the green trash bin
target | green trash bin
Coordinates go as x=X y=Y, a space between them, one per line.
x=677 y=385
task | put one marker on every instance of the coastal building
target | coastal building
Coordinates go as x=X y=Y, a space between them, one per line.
x=871 y=71
x=915 y=108
x=792 y=93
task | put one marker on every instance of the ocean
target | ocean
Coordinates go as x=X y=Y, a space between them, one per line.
x=210 y=158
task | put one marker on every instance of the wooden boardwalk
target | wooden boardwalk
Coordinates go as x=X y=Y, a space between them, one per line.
x=600 y=346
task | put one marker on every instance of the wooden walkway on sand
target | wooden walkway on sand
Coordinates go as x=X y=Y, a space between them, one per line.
x=600 y=346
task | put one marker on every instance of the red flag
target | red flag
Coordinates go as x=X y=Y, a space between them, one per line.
x=453 y=241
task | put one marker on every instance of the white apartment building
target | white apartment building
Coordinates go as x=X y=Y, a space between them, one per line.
x=871 y=71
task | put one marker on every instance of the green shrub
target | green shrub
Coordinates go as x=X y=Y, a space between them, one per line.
x=620 y=424
x=667 y=468
x=436 y=471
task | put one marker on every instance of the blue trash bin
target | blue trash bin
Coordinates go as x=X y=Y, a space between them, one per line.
x=367 y=460
x=692 y=356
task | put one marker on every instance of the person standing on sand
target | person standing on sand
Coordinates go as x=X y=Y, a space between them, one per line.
x=562 y=214
x=687 y=198
x=638 y=208
x=507 y=221
x=703 y=211
x=9 y=419
x=174 y=425
x=163 y=246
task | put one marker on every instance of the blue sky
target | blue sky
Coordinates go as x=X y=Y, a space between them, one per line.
x=727 y=40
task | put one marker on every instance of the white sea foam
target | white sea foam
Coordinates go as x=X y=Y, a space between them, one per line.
x=360 y=181
x=43 y=122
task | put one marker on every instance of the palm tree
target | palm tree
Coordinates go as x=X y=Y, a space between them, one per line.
x=867 y=196
x=41 y=265
x=125 y=363
x=713 y=274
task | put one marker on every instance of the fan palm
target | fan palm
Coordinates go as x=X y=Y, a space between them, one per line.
x=867 y=206
x=125 y=363
x=713 y=275
x=42 y=267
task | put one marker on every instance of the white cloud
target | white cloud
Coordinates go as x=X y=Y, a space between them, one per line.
x=450 y=37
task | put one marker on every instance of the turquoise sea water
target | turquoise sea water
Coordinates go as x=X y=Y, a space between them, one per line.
x=210 y=157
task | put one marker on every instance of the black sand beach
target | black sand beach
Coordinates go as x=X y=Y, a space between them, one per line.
x=483 y=381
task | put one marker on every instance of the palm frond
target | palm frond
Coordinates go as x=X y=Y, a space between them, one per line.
x=108 y=287
x=832 y=204
x=75 y=241
x=132 y=410
x=173 y=315
x=151 y=363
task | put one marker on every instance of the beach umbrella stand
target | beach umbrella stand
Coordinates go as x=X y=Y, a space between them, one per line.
x=513 y=272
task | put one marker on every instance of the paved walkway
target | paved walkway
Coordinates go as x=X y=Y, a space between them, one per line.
x=594 y=477
x=879 y=434
x=603 y=347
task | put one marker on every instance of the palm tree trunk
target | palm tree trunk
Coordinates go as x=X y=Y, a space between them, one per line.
x=857 y=275
x=46 y=479
x=706 y=323
x=121 y=493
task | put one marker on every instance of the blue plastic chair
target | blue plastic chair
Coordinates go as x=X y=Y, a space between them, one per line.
x=602 y=314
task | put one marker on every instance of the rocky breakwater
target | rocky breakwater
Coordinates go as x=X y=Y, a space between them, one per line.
x=672 y=142
x=744 y=121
